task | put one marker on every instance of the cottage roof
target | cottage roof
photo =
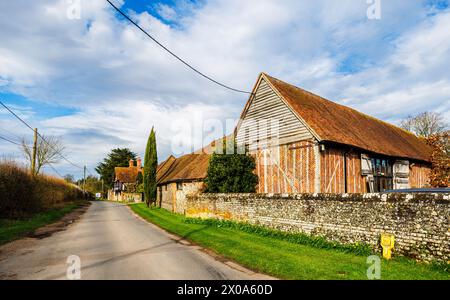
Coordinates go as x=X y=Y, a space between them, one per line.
x=164 y=167
x=127 y=174
x=332 y=122
x=190 y=167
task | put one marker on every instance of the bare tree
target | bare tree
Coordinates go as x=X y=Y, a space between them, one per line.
x=69 y=178
x=49 y=151
x=425 y=124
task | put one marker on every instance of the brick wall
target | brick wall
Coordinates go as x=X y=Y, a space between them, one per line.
x=419 y=222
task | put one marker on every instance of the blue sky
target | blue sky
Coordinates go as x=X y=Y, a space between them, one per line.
x=99 y=84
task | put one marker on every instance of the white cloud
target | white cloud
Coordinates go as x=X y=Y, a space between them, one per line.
x=95 y=131
x=166 y=12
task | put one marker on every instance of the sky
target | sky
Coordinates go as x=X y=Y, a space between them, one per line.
x=77 y=70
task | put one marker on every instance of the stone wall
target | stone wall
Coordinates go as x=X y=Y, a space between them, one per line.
x=125 y=197
x=167 y=195
x=420 y=222
x=173 y=199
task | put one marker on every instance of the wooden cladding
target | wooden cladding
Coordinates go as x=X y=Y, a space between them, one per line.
x=287 y=168
x=419 y=175
x=268 y=118
x=292 y=168
x=333 y=171
x=356 y=183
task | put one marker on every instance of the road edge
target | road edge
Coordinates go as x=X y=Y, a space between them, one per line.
x=216 y=256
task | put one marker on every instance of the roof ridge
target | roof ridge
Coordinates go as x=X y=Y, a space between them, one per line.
x=342 y=105
x=185 y=167
x=165 y=162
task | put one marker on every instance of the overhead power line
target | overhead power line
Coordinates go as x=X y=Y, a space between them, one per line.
x=174 y=55
x=56 y=171
x=8 y=140
x=14 y=114
x=43 y=139
x=10 y=133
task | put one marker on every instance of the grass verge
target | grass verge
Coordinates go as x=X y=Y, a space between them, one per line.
x=283 y=256
x=11 y=230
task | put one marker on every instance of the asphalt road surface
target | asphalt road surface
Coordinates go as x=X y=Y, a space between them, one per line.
x=112 y=243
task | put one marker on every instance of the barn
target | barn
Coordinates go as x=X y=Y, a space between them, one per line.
x=304 y=143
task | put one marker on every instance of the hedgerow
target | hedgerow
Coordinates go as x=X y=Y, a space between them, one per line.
x=23 y=194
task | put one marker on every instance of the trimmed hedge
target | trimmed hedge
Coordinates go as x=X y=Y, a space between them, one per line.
x=22 y=194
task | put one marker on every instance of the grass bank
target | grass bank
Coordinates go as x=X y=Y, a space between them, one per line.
x=14 y=229
x=284 y=256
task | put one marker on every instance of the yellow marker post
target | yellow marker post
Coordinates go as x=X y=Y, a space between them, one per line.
x=387 y=242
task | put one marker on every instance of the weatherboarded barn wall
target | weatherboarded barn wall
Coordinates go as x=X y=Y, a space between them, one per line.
x=419 y=222
x=333 y=173
x=419 y=176
x=267 y=116
x=289 y=168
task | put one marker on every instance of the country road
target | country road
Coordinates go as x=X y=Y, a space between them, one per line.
x=112 y=243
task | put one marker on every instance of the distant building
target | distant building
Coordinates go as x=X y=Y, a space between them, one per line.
x=179 y=177
x=125 y=183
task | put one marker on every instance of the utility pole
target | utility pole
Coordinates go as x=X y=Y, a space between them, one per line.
x=33 y=159
x=84 y=180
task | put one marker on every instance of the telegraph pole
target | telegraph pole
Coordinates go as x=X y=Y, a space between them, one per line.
x=33 y=159
x=84 y=180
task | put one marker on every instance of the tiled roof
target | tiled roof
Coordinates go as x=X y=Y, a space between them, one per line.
x=336 y=123
x=190 y=167
x=164 y=167
x=127 y=174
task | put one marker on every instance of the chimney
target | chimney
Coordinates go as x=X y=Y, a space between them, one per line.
x=131 y=163
x=139 y=163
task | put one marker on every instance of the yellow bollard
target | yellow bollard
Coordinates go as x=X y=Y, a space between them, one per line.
x=387 y=242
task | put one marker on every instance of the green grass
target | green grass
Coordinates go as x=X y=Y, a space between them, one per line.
x=297 y=238
x=285 y=256
x=14 y=229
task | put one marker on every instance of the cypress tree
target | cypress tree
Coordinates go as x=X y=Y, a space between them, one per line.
x=150 y=167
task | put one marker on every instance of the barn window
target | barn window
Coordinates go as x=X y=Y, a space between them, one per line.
x=179 y=186
x=382 y=172
x=383 y=175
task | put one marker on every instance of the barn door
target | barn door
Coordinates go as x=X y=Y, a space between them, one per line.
x=401 y=175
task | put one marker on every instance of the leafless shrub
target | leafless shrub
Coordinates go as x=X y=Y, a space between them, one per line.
x=49 y=151
x=425 y=124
